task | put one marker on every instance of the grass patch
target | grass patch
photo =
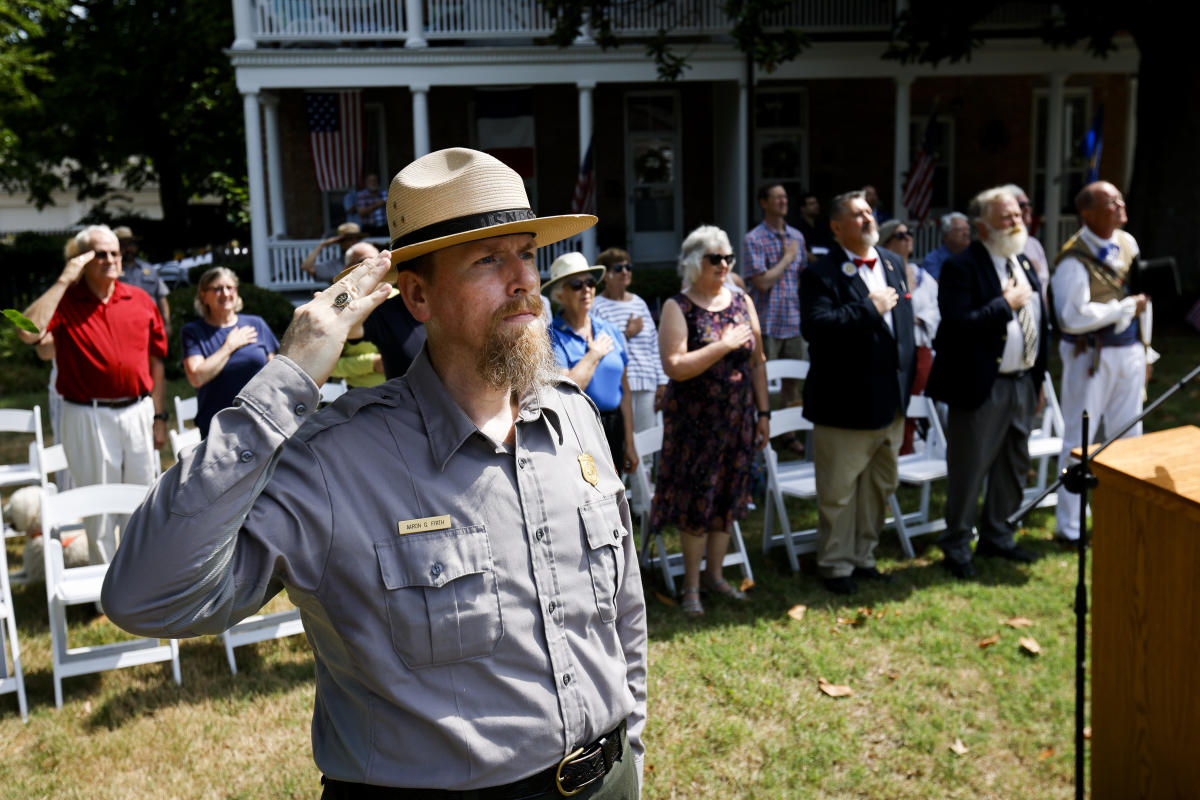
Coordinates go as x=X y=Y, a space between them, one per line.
x=735 y=710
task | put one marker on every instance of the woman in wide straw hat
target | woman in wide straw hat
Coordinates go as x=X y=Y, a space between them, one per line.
x=592 y=352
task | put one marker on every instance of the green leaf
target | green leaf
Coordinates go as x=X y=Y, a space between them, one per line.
x=20 y=320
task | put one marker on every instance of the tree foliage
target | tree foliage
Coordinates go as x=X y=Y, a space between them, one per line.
x=750 y=27
x=129 y=88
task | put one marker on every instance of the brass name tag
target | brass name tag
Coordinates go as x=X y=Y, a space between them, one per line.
x=424 y=524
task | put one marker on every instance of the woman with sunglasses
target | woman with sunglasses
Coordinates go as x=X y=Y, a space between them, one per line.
x=592 y=352
x=923 y=288
x=224 y=349
x=630 y=314
x=715 y=414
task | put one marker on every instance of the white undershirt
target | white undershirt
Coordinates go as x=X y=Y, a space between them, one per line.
x=874 y=279
x=1013 y=359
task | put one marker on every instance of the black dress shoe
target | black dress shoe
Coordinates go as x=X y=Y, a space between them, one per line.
x=872 y=574
x=959 y=569
x=986 y=549
x=842 y=585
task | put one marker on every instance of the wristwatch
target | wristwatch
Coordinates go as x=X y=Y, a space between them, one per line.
x=764 y=414
x=164 y=416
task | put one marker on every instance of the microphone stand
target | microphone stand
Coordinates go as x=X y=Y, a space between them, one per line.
x=1078 y=479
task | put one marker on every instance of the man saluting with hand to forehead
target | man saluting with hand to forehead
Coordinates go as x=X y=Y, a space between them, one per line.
x=457 y=540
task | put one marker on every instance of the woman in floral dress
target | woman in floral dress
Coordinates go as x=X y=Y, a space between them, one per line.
x=715 y=414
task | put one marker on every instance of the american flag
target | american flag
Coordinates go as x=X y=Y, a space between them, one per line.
x=584 y=201
x=918 y=189
x=335 y=135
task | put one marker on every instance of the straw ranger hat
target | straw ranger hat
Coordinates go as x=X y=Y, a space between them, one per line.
x=349 y=230
x=459 y=195
x=571 y=265
x=123 y=232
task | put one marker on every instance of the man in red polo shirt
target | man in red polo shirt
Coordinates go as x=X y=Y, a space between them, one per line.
x=109 y=341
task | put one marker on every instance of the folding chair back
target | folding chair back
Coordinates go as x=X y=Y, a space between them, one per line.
x=81 y=585
x=920 y=469
x=182 y=440
x=21 y=421
x=784 y=369
x=1045 y=443
x=12 y=678
x=185 y=411
x=670 y=565
x=787 y=479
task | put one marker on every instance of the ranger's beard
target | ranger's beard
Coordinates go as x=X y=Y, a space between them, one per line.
x=518 y=357
x=1006 y=242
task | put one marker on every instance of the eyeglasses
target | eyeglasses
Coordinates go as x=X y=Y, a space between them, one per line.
x=901 y=235
x=219 y=289
x=620 y=267
x=110 y=254
x=580 y=283
x=716 y=258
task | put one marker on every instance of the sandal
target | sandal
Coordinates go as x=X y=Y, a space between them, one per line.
x=721 y=587
x=690 y=603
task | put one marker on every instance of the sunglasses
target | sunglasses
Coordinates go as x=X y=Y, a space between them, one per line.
x=580 y=283
x=620 y=268
x=110 y=254
x=901 y=235
x=716 y=258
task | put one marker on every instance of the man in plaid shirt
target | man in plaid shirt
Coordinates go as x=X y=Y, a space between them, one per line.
x=774 y=256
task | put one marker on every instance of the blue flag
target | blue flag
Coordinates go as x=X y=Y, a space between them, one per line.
x=1093 y=146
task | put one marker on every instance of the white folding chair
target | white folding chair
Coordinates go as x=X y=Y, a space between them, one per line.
x=185 y=410
x=81 y=586
x=332 y=390
x=787 y=479
x=648 y=443
x=183 y=439
x=920 y=469
x=784 y=368
x=26 y=473
x=260 y=628
x=1045 y=443
x=11 y=679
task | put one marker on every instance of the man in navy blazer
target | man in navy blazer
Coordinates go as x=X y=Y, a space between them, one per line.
x=856 y=315
x=991 y=356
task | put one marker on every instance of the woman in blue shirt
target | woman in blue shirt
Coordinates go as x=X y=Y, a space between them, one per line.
x=225 y=349
x=592 y=352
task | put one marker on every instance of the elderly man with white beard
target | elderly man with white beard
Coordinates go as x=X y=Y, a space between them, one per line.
x=991 y=357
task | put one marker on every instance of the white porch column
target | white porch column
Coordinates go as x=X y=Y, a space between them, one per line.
x=270 y=104
x=258 y=191
x=901 y=165
x=744 y=168
x=420 y=103
x=243 y=25
x=1054 y=161
x=1130 y=132
x=414 y=24
x=585 y=138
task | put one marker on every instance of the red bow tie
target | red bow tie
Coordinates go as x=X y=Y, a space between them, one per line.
x=869 y=263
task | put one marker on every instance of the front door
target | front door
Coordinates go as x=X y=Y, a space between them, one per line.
x=654 y=207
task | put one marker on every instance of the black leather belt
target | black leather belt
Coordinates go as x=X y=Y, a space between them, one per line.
x=570 y=776
x=120 y=402
x=1016 y=376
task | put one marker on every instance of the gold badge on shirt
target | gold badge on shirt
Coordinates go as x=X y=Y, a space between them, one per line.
x=587 y=465
x=424 y=524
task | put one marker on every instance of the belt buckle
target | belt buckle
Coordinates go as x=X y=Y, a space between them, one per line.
x=558 y=774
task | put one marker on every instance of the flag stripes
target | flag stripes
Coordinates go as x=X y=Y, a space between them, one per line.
x=335 y=136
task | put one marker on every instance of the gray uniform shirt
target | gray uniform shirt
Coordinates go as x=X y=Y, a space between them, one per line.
x=145 y=276
x=475 y=611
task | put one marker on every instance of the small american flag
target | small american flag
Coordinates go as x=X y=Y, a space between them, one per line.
x=335 y=135
x=918 y=189
x=584 y=201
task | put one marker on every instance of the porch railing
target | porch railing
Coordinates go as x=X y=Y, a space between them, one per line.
x=379 y=20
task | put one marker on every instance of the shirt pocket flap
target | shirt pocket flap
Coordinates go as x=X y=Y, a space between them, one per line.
x=433 y=559
x=602 y=521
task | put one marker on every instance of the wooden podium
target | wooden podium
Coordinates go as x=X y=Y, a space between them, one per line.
x=1146 y=617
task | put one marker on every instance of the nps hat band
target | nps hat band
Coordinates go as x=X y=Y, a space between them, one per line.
x=470 y=222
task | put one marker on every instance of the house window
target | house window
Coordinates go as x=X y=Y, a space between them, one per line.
x=338 y=204
x=942 y=139
x=1077 y=118
x=781 y=141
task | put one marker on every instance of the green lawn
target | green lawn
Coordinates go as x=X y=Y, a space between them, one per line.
x=735 y=707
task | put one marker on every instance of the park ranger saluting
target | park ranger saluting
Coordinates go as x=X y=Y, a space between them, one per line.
x=457 y=540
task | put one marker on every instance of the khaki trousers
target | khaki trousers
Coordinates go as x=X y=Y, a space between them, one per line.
x=855 y=471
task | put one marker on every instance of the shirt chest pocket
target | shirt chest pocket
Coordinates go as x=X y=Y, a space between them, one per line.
x=606 y=539
x=443 y=602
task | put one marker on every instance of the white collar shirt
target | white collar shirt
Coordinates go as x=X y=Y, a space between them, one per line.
x=1013 y=358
